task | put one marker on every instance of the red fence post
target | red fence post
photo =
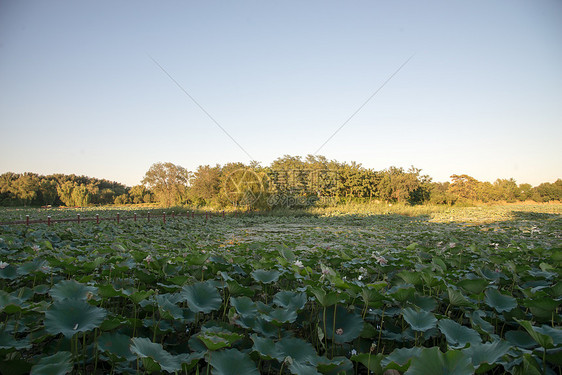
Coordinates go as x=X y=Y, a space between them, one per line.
x=48 y=220
x=118 y=218
x=97 y=218
x=26 y=219
x=164 y=217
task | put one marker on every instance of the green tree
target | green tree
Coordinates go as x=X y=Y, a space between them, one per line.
x=48 y=191
x=140 y=194
x=205 y=183
x=464 y=187
x=169 y=183
x=65 y=193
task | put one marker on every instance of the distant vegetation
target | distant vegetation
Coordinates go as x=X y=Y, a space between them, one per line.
x=289 y=181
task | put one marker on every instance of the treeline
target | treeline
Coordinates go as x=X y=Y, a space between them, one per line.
x=30 y=189
x=289 y=181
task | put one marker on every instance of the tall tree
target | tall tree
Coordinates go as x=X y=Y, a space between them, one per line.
x=169 y=183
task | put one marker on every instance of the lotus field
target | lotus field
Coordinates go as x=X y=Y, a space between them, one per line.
x=301 y=294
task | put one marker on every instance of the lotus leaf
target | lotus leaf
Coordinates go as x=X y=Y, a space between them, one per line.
x=457 y=335
x=232 y=362
x=116 y=344
x=56 y=364
x=419 y=320
x=500 y=302
x=71 y=289
x=433 y=361
x=266 y=277
x=348 y=325
x=290 y=300
x=70 y=316
x=265 y=347
x=201 y=297
x=144 y=348
x=244 y=306
x=298 y=349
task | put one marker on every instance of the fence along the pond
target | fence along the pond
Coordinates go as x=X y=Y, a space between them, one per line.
x=118 y=218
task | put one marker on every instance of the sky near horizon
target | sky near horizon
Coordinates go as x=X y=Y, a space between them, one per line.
x=81 y=89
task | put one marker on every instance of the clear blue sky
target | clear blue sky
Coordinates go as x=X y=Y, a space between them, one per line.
x=482 y=94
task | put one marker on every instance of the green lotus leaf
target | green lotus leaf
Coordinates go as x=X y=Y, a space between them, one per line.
x=202 y=297
x=500 y=302
x=264 y=347
x=521 y=339
x=546 y=336
x=235 y=289
x=433 y=361
x=348 y=325
x=325 y=299
x=9 y=302
x=213 y=342
x=420 y=321
x=401 y=358
x=299 y=368
x=7 y=341
x=487 y=353
x=140 y=295
x=298 y=349
x=543 y=308
x=33 y=266
x=413 y=278
x=457 y=335
x=402 y=293
x=56 y=364
x=290 y=300
x=456 y=298
x=266 y=277
x=70 y=316
x=280 y=316
x=372 y=297
x=167 y=305
x=336 y=365
x=216 y=338
x=8 y=272
x=197 y=259
x=480 y=324
x=116 y=344
x=144 y=348
x=473 y=286
x=371 y=361
x=244 y=306
x=259 y=325
x=108 y=291
x=232 y=362
x=71 y=289
x=425 y=302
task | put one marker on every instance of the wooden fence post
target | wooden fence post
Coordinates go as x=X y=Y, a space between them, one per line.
x=118 y=218
x=26 y=219
x=148 y=216
x=164 y=217
x=48 y=220
x=135 y=217
x=78 y=218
